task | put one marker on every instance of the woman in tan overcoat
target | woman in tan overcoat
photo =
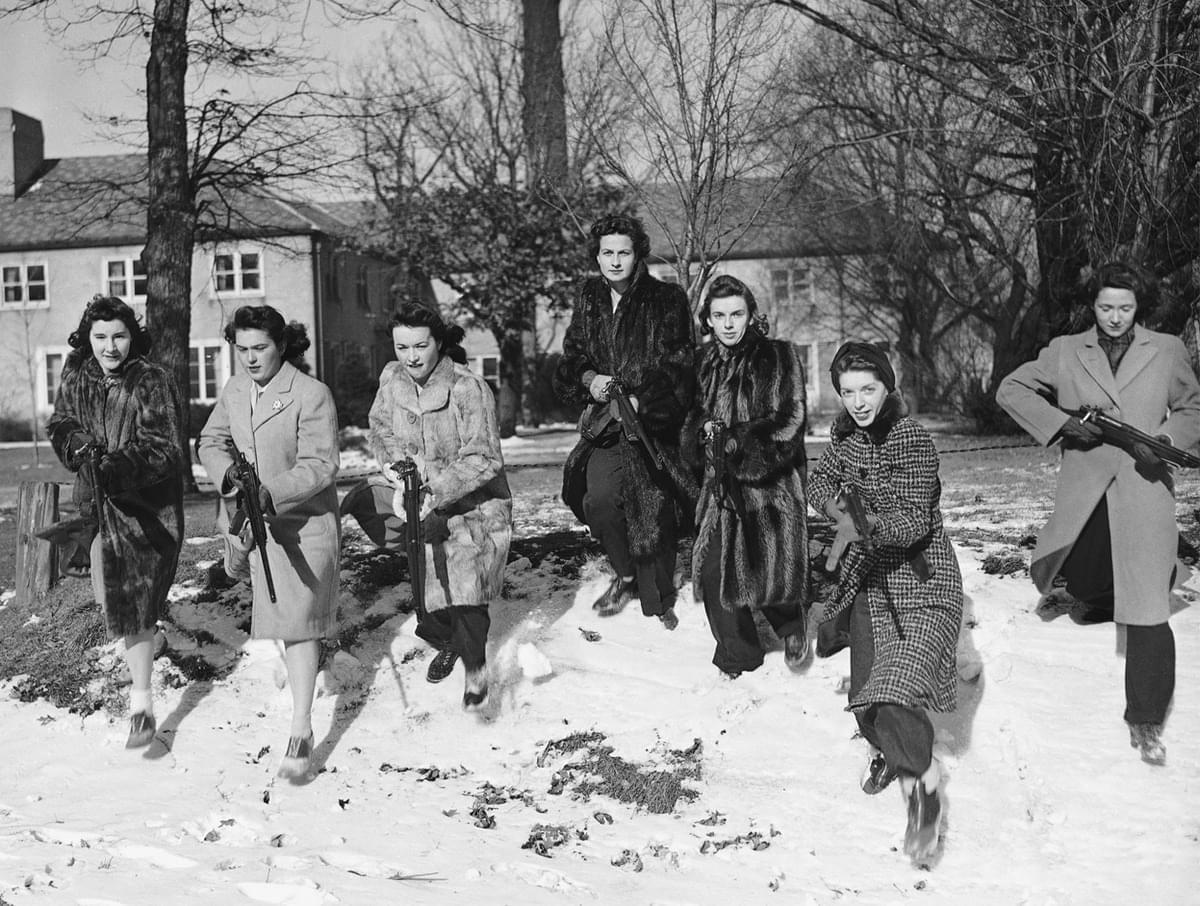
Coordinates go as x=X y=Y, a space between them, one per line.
x=432 y=409
x=285 y=424
x=1112 y=535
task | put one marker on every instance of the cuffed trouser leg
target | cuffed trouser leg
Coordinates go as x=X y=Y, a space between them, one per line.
x=603 y=509
x=1149 y=673
x=785 y=619
x=904 y=735
x=738 y=649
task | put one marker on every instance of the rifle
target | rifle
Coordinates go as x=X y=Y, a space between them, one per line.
x=414 y=540
x=250 y=508
x=723 y=479
x=632 y=425
x=1123 y=435
x=857 y=511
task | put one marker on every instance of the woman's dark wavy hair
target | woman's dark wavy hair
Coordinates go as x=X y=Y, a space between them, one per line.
x=448 y=337
x=1117 y=275
x=290 y=336
x=724 y=287
x=106 y=308
x=619 y=225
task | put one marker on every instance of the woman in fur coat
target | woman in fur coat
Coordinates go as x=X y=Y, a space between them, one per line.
x=629 y=328
x=115 y=402
x=432 y=409
x=751 y=543
x=901 y=583
x=1113 y=535
x=285 y=424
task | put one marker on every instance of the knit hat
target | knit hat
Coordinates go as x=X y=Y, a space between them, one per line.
x=869 y=355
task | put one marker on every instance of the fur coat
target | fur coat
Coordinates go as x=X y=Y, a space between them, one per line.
x=135 y=415
x=894 y=465
x=757 y=390
x=450 y=427
x=1155 y=390
x=291 y=438
x=649 y=345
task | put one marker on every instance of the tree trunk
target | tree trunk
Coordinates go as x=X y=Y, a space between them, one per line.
x=171 y=217
x=544 y=111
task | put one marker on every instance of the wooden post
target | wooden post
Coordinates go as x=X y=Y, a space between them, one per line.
x=37 y=560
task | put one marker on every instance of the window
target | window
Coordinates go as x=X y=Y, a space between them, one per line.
x=207 y=370
x=54 y=362
x=24 y=285
x=125 y=278
x=238 y=273
x=790 y=284
x=488 y=368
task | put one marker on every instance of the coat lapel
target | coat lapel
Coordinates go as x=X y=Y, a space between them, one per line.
x=1139 y=355
x=276 y=396
x=1095 y=363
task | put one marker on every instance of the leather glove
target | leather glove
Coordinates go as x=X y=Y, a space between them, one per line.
x=232 y=480
x=1080 y=435
x=1146 y=457
x=598 y=388
x=76 y=451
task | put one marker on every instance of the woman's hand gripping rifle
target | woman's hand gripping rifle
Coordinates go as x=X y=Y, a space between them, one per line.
x=632 y=425
x=250 y=508
x=414 y=540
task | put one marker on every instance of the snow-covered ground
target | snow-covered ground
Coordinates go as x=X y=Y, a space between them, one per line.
x=1048 y=804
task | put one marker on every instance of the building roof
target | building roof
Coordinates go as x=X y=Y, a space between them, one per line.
x=91 y=201
x=799 y=222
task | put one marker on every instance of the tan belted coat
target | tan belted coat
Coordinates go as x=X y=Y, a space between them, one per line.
x=1155 y=390
x=292 y=440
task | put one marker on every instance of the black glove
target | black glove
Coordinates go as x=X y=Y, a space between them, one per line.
x=1146 y=457
x=1080 y=435
x=232 y=480
x=77 y=449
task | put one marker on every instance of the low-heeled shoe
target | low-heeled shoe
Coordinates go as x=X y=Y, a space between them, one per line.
x=142 y=728
x=441 y=666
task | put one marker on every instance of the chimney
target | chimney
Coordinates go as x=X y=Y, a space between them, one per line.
x=22 y=148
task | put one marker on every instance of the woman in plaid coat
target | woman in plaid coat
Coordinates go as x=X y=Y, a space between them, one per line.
x=901 y=583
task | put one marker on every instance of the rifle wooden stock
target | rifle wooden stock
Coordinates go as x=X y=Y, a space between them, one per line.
x=1120 y=434
x=250 y=508
x=635 y=431
x=414 y=540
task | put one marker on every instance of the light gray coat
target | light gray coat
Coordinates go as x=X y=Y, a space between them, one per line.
x=1156 y=391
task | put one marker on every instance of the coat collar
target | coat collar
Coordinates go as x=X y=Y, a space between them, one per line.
x=436 y=392
x=275 y=397
x=1141 y=351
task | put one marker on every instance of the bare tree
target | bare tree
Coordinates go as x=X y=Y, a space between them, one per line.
x=690 y=138
x=1105 y=98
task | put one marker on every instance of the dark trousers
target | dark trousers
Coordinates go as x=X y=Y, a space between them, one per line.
x=738 y=647
x=463 y=630
x=904 y=735
x=606 y=518
x=1149 y=650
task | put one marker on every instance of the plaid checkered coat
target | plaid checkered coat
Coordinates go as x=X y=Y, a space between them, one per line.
x=895 y=467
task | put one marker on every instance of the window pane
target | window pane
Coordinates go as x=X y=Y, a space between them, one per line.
x=36 y=273
x=12 y=293
x=250 y=271
x=193 y=373
x=37 y=292
x=212 y=356
x=779 y=285
x=54 y=365
x=139 y=277
x=12 y=275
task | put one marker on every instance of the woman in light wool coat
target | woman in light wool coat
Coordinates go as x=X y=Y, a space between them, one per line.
x=431 y=408
x=285 y=423
x=1113 y=535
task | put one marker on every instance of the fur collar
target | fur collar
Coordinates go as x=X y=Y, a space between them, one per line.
x=892 y=410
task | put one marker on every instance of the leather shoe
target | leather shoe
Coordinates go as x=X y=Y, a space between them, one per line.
x=924 y=819
x=298 y=758
x=878 y=776
x=142 y=728
x=796 y=651
x=615 y=597
x=441 y=666
x=1148 y=738
x=669 y=619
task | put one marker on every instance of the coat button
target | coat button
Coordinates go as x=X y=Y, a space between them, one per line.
x=412 y=418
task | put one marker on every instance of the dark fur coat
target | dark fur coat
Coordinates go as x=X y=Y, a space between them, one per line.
x=135 y=416
x=649 y=345
x=757 y=390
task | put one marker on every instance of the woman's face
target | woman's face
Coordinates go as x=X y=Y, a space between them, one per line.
x=417 y=351
x=862 y=394
x=1115 y=310
x=111 y=342
x=617 y=260
x=728 y=318
x=258 y=355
